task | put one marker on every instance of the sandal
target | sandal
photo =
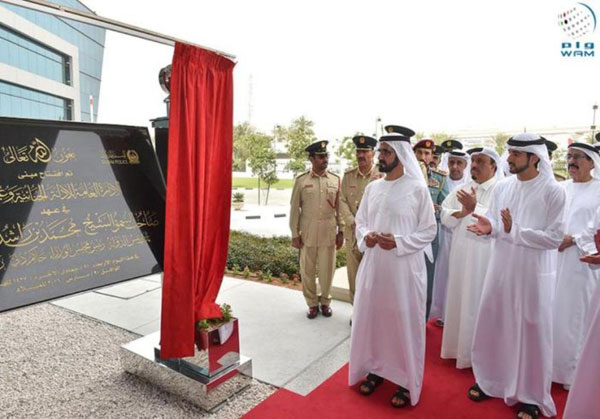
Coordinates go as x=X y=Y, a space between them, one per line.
x=403 y=395
x=528 y=409
x=371 y=383
x=480 y=394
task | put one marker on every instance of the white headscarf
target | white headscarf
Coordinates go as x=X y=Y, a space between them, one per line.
x=492 y=154
x=591 y=154
x=406 y=156
x=466 y=173
x=533 y=143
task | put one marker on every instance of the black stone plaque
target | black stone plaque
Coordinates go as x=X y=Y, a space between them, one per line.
x=81 y=207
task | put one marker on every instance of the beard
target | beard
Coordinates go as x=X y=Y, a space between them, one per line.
x=515 y=170
x=385 y=168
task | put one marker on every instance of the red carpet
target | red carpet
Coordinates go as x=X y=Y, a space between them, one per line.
x=444 y=395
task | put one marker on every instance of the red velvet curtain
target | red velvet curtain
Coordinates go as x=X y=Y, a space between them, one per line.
x=198 y=194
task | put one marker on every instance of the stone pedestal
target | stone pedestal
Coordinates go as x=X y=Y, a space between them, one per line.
x=207 y=379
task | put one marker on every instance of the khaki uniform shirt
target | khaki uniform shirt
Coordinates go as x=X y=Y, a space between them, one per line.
x=353 y=188
x=314 y=212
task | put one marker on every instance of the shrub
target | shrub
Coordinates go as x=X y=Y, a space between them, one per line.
x=273 y=254
x=235 y=269
x=238 y=197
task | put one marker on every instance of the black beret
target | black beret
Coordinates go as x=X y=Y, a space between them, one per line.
x=426 y=143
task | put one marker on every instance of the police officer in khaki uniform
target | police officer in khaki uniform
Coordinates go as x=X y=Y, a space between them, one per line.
x=354 y=183
x=316 y=228
x=437 y=157
x=438 y=189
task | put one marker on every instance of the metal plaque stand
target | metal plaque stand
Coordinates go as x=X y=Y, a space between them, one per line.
x=207 y=379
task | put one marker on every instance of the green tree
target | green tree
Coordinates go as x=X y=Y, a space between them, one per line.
x=299 y=135
x=500 y=139
x=241 y=146
x=346 y=150
x=261 y=157
x=589 y=138
x=280 y=133
x=559 y=162
x=270 y=177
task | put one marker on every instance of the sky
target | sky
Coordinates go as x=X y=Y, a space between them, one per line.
x=434 y=66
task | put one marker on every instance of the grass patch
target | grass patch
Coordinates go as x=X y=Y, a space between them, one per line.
x=247 y=182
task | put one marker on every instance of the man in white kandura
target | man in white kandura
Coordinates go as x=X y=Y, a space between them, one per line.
x=582 y=402
x=512 y=342
x=395 y=223
x=458 y=167
x=469 y=254
x=576 y=282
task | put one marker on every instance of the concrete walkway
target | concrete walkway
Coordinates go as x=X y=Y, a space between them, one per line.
x=287 y=349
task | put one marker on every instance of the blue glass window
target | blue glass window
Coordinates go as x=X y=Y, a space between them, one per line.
x=21 y=102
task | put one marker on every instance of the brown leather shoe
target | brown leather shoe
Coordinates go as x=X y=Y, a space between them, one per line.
x=312 y=312
x=326 y=310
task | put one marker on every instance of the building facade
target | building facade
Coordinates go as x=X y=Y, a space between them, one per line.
x=50 y=67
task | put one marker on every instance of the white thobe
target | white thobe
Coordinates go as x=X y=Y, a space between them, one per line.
x=576 y=282
x=512 y=342
x=388 y=323
x=440 y=276
x=582 y=402
x=469 y=257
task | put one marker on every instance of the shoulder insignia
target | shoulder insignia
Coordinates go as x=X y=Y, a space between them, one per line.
x=303 y=174
x=432 y=182
x=351 y=170
x=334 y=174
x=440 y=172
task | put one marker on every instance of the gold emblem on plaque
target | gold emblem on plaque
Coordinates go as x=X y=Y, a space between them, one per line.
x=133 y=157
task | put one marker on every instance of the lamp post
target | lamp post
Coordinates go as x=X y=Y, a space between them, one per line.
x=377 y=125
x=593 y=127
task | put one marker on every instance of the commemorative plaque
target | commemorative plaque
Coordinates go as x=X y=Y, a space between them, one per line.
x=81 y=207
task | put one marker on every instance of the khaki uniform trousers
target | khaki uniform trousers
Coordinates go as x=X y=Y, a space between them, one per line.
x=317 y=261
x=353 y=258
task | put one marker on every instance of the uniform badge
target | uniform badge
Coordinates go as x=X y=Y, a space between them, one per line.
x=361 y=140
x=390 y=129
x=433 y=182
x=323 y=144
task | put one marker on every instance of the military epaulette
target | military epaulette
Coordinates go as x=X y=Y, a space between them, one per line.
x=440 y=172
x=334 y=174
x=303 y=174
x=354 y=169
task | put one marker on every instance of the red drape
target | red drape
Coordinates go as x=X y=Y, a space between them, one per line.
x=198 y=194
